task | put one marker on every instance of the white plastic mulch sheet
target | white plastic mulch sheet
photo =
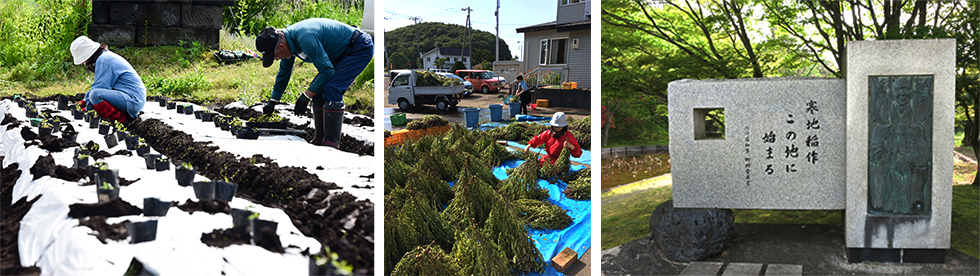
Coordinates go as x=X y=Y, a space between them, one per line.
x=51 y=240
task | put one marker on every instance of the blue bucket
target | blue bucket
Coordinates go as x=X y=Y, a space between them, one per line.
x=515 y=108
x=495 y=112
x=472 y=116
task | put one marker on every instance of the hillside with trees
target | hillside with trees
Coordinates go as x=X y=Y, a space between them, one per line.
x=429 y=34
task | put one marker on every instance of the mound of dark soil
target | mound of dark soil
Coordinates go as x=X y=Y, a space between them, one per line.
x=269 y=240
x=7 y=118
x=225 y=237
x=69 y=174
x=123 y=152
x=56 y=143
x=115 y=208
x=10 y=224
x=104 y=231
x=28 y=134
x=347 y=143
x=209 y=206
x=322 y=217
x=359 y=121
x=43 y=166
x=100 y=154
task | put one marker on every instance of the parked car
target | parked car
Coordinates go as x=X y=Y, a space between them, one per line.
x=481 y=79
x=502 y=79
x=467 y=86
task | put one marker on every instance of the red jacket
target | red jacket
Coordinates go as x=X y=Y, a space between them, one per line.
x=554 y=146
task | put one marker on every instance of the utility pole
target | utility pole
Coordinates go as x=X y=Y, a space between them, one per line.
x=497 y=13
x=469 y=35
x=417 y=52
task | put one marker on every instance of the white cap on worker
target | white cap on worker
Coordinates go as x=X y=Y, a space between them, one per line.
x=83 y=48
x=558 y=120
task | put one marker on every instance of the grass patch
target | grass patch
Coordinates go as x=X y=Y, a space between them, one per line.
x=628 y=218
x=965 y=234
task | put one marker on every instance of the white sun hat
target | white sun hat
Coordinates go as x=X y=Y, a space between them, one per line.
x=83 y=48
x=558 y=120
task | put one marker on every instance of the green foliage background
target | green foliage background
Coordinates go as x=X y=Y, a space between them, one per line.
x=403 y=40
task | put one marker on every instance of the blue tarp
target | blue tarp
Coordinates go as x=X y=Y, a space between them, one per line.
x=577 y=236
x=586 y=157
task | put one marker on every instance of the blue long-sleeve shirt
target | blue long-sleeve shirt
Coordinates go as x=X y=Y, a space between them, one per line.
x=317 y=40
x=114 y=72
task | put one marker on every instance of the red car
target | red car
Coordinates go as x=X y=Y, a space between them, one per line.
x=482 y=80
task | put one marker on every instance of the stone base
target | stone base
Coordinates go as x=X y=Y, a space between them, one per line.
x=892 y=255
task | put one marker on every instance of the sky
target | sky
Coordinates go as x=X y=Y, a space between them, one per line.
x=513 y=14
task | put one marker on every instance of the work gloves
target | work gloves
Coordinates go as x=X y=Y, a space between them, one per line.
x=301 y=103
x=270 y=107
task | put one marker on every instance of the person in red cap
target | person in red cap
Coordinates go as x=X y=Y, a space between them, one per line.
x=338 y=51
x=117 y=92
x=555 y=140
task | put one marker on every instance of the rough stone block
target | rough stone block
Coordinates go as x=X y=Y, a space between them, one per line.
x=869 y=62
x=100 y=12
x=564 y=259
x=686 y=234
x=156 y=36
x=112 y=35
x=197 y=16
x=157 y=15
x=702 y=268
x=784 y=269
x=782 y=145
x=742 y=269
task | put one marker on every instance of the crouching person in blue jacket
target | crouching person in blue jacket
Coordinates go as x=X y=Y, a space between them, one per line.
x=117 y=92
x=338 y=51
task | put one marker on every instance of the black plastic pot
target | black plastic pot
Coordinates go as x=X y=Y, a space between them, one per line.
x=132 y=142
x=78 y=114
x=80 y=162
x=189 y=109
x=88 y=118
x=151 y=160
x=103 y=129
x=44 y=131
x=141 y=150
x=70 y=136
x=204 y=190
x=180 y=109
x=31 y=113
x=94 y=122
x=91 y=170
x=171 y=105
x=55 y=126
x=81 y=151
x=248 y=133
x=239 y=217
x=62 y=102
x=198 y=113
x=111 y=176
x=162 y=101
x=184 y=176
x=121 y=135
x=162 y=165
x=110 y=141
x=234 y=130
x=207 y=116
x=154 y=207
x=217 y=120
x=225 y=125
x=106 y=195
x=224 y=190
x=20 y=102
x=259 y=225
x=142 y=231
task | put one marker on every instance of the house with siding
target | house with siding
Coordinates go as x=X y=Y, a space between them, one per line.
x=453 y=54
x=563 y=45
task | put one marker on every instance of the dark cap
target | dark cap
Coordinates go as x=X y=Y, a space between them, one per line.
x=265 y=43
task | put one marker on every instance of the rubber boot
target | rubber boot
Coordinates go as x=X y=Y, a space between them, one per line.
x=318 y=121
x=333 y=120
x=109 y=112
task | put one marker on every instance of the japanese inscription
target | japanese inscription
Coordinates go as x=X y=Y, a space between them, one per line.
x=900 y=145
x=800 y=143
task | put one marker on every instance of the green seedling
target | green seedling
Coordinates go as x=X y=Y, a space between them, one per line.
x=120 y=126
x=101 y=165
x=46 y=123
x=141 y=141
x=91 y=112
x=237 y=123
x=253 y=215
x=106 y=186
x=162 y=159
x=270 y=118
x=105 y=122
x=187 y=166
x=82 y=156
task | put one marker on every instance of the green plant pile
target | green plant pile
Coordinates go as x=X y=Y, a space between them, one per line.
x=580 y=188
x=559 y=169
x=522 y=132
x=484 y=220
x=267 y=118
x=542 y=215
x=427 y=122
x=426 y=78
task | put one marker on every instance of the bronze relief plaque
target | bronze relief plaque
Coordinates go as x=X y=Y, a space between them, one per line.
x=900 y=145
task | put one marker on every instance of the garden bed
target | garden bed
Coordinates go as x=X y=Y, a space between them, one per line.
x=315 y=209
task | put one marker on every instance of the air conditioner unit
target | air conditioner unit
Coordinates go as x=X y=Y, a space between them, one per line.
x=575 y=43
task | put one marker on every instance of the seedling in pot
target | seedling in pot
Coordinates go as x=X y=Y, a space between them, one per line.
x=171 y=105
x=104 y=127
x=55 y=124
x=185 y=174
x=69 y=135
x=224 y=190
x=132 y=142
x=188 y=109
x=250 y=133
x=198 y=113
x=121 y=131
x=151 y=160
x=142 y=148
x=91 y=147
x=204 y=190
x=241 y=217
x=110 y=141
x=180 y=108
x=106 y=192
x=81 y=161
x=162 y=164
x=45 y=128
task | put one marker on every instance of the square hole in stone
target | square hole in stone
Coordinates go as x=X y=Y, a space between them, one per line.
x=709 y=123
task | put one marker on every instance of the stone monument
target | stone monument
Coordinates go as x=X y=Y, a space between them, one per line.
x=876 y=144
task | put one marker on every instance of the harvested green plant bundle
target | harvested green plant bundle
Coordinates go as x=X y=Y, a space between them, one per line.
x=426 y=183
x=504 y=228
x=584 y=124
x=560 y=168
x=581 y=187
x=542 y=214
x=584 y=138
x=396 y=173
x=267 y=118
x=522 y=183
x=426 y=260
x=432 y=79
x=472 y=202
x=478 y=255
x=473 y=167
x=494 y=154
x=427 y=122
x=443 y=167
x=414 y=224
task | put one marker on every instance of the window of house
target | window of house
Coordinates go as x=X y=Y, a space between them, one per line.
x=464 y=59
x=566 y=2
x=428 y=59
x=554 y=51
